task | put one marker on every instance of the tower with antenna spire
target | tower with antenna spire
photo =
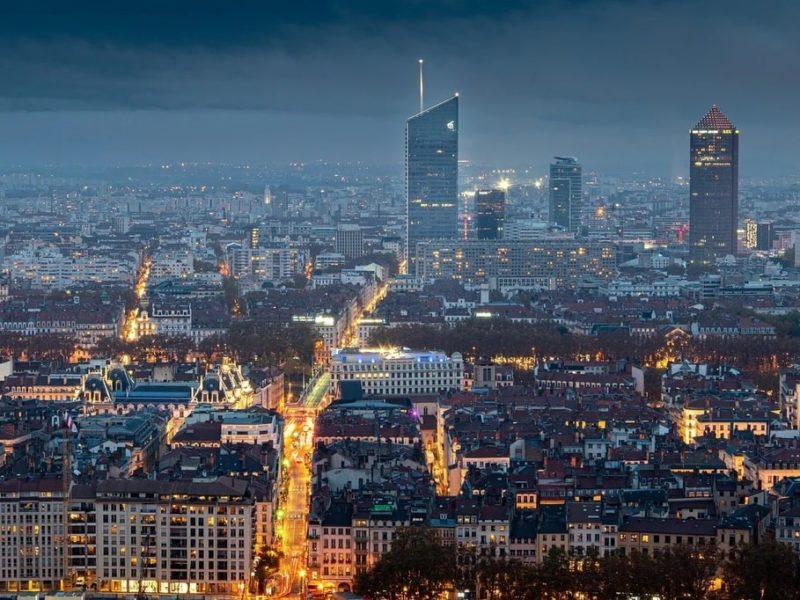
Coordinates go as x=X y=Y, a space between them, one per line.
x=421 y=88
x=431 y=162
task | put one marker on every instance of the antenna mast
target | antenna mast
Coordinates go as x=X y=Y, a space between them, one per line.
x=421 y=88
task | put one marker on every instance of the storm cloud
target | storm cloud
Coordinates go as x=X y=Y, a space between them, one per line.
x=617 y=83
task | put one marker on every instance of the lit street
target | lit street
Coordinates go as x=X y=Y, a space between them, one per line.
x=315 y=392
x=293 y=511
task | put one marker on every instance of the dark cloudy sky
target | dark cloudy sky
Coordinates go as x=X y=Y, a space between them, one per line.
x=616 y=82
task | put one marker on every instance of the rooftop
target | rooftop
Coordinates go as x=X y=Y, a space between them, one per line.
x=714 y=119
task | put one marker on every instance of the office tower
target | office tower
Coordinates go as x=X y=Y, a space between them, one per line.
x=254 y=237
x=764 y=234
x=432 y=174
x=490 y=212
x=566 y=193
x=713 y=188
x=349 y=240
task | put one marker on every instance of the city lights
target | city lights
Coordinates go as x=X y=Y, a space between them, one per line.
x=270 y=328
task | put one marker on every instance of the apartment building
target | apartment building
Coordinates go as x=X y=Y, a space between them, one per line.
x=50 y=267
x=32 y=542
x=82 y=536
x=274 y=262
x=56 y=387
x=87 y=324
x=585 y=527
x=347 y=540
x=787 y=528
x=648 y=535
x=171 y=262
x=331 y=547
x=255 y=426
x=557 y=260
x=174 y=537
x=789 y=397
x=767 y=469
x=165 y=318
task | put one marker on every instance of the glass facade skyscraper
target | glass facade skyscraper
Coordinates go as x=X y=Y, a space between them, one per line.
x=432 y=175
x=566 y=193
x=490 y=211
x=713 y=188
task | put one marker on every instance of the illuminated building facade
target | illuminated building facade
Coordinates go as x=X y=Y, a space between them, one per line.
x=174 y=537
x=490 y=210
x=713 y=188
x=552 y=261
x=432 y=174
x=397 y=372
x=566 y=193
x=750 y=234
x=31 y=530
x=271 y=262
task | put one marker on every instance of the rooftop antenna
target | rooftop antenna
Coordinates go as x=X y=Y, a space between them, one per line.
x=421 y=88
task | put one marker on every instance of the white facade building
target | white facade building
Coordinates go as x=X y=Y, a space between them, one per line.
x=397 y=372
x=260 y=264
x=46 y=266
x=662 y=288
x=172 y=263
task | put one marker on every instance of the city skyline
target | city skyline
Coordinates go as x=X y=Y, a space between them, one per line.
x=279 y=320
x=268 y=94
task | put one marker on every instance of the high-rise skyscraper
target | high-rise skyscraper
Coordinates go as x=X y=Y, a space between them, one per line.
x=713 y=188
x=566 y=193
x=490 y=211
x=432 y=174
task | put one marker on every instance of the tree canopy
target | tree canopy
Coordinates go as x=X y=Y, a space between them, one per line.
x=417 y=566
